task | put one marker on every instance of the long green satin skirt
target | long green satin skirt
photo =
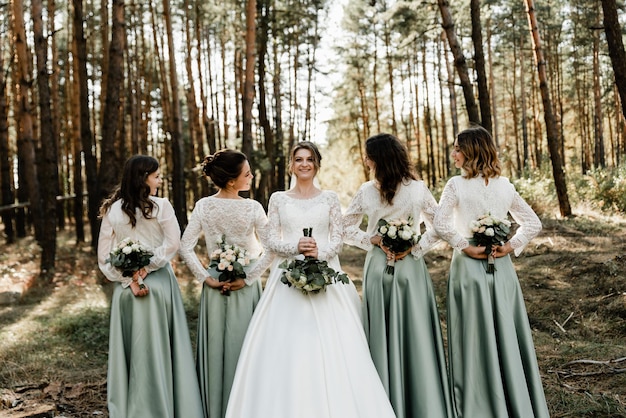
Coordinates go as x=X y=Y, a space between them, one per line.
x=493 y=366
x=151 y=368
x=222 y=324
x=404 y=334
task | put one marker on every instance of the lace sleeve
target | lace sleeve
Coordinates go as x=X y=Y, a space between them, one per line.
x=275 y=241
x=261 y=227
x=429 y=238
x=529 y=222
x=188 y=244
x=352 y=233
x=106 y=241
x=444 y=217
x=335 y=240
x=171 y=237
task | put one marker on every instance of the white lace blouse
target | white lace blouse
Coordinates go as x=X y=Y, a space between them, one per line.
x=412 y=198
x=243 y=223
x=160 y=234
x=465 y=200
x=288 y=216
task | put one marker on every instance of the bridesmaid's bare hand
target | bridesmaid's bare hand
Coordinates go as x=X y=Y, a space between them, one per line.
x=475 y=252
x=138 y=290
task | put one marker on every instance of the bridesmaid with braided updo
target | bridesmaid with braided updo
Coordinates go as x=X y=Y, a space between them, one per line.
x=225 y=306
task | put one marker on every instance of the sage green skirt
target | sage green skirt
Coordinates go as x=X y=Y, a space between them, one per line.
x=151 y=368
x=222 y=325
x=493 y=366
x=404 y=334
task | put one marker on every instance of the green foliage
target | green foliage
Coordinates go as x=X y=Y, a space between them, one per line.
x=605 y=187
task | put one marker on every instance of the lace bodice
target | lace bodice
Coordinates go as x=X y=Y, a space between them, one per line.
x=465 y=200
x=412 y=199
x=289 y=216
x=160 y=234
x=242 y=221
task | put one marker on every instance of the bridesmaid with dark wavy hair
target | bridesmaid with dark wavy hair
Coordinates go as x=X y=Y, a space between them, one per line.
x=150 y=367
x=400 y=316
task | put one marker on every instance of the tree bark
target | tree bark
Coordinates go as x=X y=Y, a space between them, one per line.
x=613 y=31
x=49 y=175
x=86 y=134
x=248 y=82
x=113 y=149
x=550 y=121
x=178 y=148
x=479 y=63
x=25 y=122
x=6 y=173
x=460 y=63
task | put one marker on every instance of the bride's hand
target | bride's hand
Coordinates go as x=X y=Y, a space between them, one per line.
x=502 y=250
x=307 y=247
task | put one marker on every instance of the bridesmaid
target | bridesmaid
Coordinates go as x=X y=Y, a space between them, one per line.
x=400 y=312
x=493 y=367
x=223 y=320
x=150 y=368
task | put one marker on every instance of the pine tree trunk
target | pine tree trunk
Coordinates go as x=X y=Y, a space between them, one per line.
x=479 y=62
x=460 y=62
x=25 y=119
x=178 y=148
x=550 y=121
x=613 y=31
x=49 y=175
x=248 y=80
x=6 y=173
x=86 y=134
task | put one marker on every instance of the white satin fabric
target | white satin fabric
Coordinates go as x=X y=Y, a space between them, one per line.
x=306 y=356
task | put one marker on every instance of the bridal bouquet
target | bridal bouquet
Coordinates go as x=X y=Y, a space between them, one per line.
x=488 y=231
x=398 y=235
x=229 y=262
x=309 y=274
x=129 y=256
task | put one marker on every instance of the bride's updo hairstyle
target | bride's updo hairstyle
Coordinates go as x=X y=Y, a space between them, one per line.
x=391 y=163
x=223 y=166
x=479 y=150
x=317 y=157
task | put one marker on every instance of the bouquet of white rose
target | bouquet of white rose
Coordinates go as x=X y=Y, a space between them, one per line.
x=488 y=231
x=309 y=274
x=398 y=235
x=229 y=262
x=130 y=256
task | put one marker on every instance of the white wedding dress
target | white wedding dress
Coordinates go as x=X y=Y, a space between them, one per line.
x=306 y=356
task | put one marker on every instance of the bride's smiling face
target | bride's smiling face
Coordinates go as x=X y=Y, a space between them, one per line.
x=303 y=164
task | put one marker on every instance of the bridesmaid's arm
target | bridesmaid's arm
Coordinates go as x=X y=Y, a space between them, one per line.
x=261 y=226
x=106 y=240
x=429 y=238
x=164 y=253
x=188 y=244
x=352 y=232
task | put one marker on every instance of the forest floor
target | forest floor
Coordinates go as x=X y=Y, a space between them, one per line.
x=53 y=337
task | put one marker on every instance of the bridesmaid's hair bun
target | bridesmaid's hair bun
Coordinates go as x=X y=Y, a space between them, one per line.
x=223 y=166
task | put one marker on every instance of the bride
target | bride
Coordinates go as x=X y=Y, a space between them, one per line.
x=306 y=356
